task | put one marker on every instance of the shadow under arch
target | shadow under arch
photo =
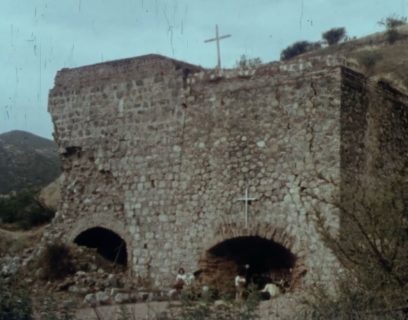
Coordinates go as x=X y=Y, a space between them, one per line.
x=103 y=221
x=262 y=253
x=107 y=243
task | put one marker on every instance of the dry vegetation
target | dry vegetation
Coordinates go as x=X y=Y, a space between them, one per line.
x=372 y=248
x=14 y=242
x=376 y=56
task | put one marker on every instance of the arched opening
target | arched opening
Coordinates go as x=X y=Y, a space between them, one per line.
x=107 y=243
x=260 y=260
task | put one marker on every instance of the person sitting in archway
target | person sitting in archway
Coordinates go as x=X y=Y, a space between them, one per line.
x=270 y=291
x=240 y=283
x=181 y=280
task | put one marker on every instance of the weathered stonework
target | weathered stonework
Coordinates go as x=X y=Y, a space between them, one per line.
x=159 y=151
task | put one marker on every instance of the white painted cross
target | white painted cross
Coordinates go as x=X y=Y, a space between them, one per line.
x=247 y=200
x=217 y=40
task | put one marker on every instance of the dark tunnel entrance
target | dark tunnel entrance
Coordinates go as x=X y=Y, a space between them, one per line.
x=107 y=243
x=260 y=260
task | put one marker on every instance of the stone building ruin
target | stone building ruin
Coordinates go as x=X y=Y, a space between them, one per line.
x=157 y=152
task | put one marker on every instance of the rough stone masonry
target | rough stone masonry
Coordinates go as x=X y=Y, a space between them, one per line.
x=159 y=151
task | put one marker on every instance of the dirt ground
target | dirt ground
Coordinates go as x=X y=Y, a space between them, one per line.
x=15 y=241
x=149 y=310
x=276 y=309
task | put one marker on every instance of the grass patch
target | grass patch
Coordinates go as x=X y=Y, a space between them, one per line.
x=369 y=58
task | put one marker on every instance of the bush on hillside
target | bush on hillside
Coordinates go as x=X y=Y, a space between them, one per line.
x=23 y=210
x=298 y=48
x=392 y=36
x=334 y=36
x=56 y=262
x=391 y=24
x=369 y=58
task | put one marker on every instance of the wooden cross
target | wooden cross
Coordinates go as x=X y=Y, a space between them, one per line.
x=217 y=40
x=247 y=200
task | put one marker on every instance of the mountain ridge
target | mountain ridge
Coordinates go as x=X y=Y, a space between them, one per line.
x=26 y=161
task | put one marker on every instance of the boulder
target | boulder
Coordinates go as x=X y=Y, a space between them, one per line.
x=90 y=299
x=65 y=285
x=102 y=297
x=50 y=195
x=10 y=265
x=122 y=297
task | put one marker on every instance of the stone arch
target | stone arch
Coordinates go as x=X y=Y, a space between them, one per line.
x=107 y=243
x=227 y=230
x=269 y=249
x=103 y=223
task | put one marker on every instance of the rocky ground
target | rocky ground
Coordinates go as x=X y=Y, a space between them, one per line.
x=94 y=281
x=98 y=289
x=16 y=249
x=276 y=309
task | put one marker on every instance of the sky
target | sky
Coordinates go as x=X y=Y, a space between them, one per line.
x=40 y=37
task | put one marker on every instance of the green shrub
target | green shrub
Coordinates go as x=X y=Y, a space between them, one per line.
x=15 y=303
x=23 y=210
x=56 y=262
x=298 y=48
x=391 y=24
x=392 y=36
x=334 y=36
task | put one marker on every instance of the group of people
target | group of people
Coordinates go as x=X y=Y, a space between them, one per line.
x=184 y=280
x=270 y=289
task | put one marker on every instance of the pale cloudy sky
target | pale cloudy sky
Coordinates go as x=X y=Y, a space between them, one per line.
x=40 y=37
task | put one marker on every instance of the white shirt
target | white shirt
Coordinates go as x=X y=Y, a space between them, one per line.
x=182 y=277
x=187 y=278
x=272 y=289
x=239 y=281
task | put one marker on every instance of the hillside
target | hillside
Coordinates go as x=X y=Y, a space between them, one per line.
x=375 y=56
x=26 y=160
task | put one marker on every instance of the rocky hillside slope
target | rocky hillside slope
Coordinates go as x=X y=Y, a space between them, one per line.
x=376 y=55
x=26 y=160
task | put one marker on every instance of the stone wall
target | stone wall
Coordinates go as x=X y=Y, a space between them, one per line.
x=374 y=131
x=374 y=145
x=160 y=151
